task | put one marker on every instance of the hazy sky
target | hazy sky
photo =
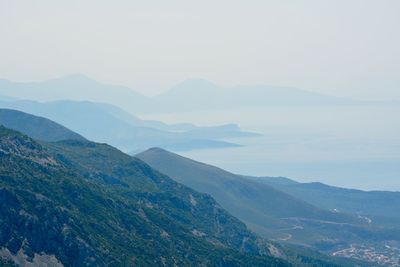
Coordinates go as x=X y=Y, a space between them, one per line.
x=341 y=47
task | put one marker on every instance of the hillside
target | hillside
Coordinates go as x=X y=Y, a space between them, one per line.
x=367 y=203
x=80 y=203
x=37 y=127
x=271 y=212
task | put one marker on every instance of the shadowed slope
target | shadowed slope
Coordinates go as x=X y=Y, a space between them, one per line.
x=37 y=127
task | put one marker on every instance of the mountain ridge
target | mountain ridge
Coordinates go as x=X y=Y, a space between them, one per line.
x=368 y=203
x=189 y=95
x=37 y=127
x=80 y=218
x=109 y=124
x=92 y=205
x=276 y=213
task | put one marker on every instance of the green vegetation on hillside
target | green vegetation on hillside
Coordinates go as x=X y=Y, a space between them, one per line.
x=89 y=204
x=273 y=213
x=368 y=203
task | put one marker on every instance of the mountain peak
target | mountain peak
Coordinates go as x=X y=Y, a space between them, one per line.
x=156 y=149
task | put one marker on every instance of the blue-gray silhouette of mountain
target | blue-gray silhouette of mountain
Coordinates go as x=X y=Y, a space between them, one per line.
x=37 y=127
x=190 y=95
x=109 y=124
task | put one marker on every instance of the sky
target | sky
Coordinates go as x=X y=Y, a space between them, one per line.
x=343 y=47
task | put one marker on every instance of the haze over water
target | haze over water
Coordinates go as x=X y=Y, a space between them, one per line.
x=340 y=48
x=347 y=146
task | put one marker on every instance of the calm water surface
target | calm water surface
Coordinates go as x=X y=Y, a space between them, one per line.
x=356 y=147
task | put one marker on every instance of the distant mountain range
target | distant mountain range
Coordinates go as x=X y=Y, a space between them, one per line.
x=109 y=124
x=198 y=94
x=286 y=211
x=73 y=87
x=80 y=203
x=82 y=197
x=190 y=95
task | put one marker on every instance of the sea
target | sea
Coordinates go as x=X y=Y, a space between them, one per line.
x=347 y=146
